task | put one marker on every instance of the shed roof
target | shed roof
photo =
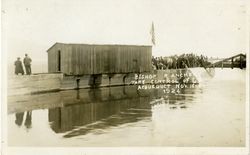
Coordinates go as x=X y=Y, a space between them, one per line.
x=98 y=45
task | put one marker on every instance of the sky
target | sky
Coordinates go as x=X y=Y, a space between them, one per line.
x=215 y=28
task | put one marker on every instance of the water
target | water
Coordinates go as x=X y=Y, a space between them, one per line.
x=212 y=114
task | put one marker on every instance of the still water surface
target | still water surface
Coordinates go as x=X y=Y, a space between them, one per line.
x=212 y=114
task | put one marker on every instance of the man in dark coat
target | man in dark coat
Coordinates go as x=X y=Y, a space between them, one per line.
x=18 y=67
x=27 y=63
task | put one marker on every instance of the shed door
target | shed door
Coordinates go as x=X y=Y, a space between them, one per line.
x=59 y=61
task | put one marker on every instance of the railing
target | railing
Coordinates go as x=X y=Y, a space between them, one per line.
x=225 y=63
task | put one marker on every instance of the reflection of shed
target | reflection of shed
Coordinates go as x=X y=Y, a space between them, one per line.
x=88 y=107
x=80 y=59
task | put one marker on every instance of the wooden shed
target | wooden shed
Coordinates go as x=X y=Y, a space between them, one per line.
x=82 y=59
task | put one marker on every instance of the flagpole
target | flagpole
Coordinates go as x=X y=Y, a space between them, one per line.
x=152 y=33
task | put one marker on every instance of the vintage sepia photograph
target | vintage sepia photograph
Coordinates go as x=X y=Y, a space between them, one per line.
x=146 y=77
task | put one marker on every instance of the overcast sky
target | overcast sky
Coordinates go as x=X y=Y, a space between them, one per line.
x=209 y=27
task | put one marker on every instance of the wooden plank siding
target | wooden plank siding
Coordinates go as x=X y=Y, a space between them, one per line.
x=80 y=59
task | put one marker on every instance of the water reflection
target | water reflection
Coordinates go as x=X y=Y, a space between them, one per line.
x=177 y=101
x=28 y=119
x=85 y=111
x=99 y=109
x=80 y=112
x=19 y=119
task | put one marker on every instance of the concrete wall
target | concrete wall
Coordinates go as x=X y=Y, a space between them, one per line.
x=54 y=82
x=35 y=83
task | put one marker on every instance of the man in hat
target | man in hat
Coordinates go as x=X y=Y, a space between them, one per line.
x=18 y=67
x=27 y=63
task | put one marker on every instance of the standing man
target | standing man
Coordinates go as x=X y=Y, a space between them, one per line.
x=18 y=67
x=27 y=63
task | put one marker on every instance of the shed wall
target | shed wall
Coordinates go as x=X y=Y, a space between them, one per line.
x=79 y=59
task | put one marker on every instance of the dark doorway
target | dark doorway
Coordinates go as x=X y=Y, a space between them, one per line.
x=59 y=61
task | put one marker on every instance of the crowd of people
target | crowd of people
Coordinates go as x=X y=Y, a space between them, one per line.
x=19 y=66
x=181 y=61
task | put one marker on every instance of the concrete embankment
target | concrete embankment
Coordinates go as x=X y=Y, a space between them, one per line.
x=18 y=85
x=40 y=83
